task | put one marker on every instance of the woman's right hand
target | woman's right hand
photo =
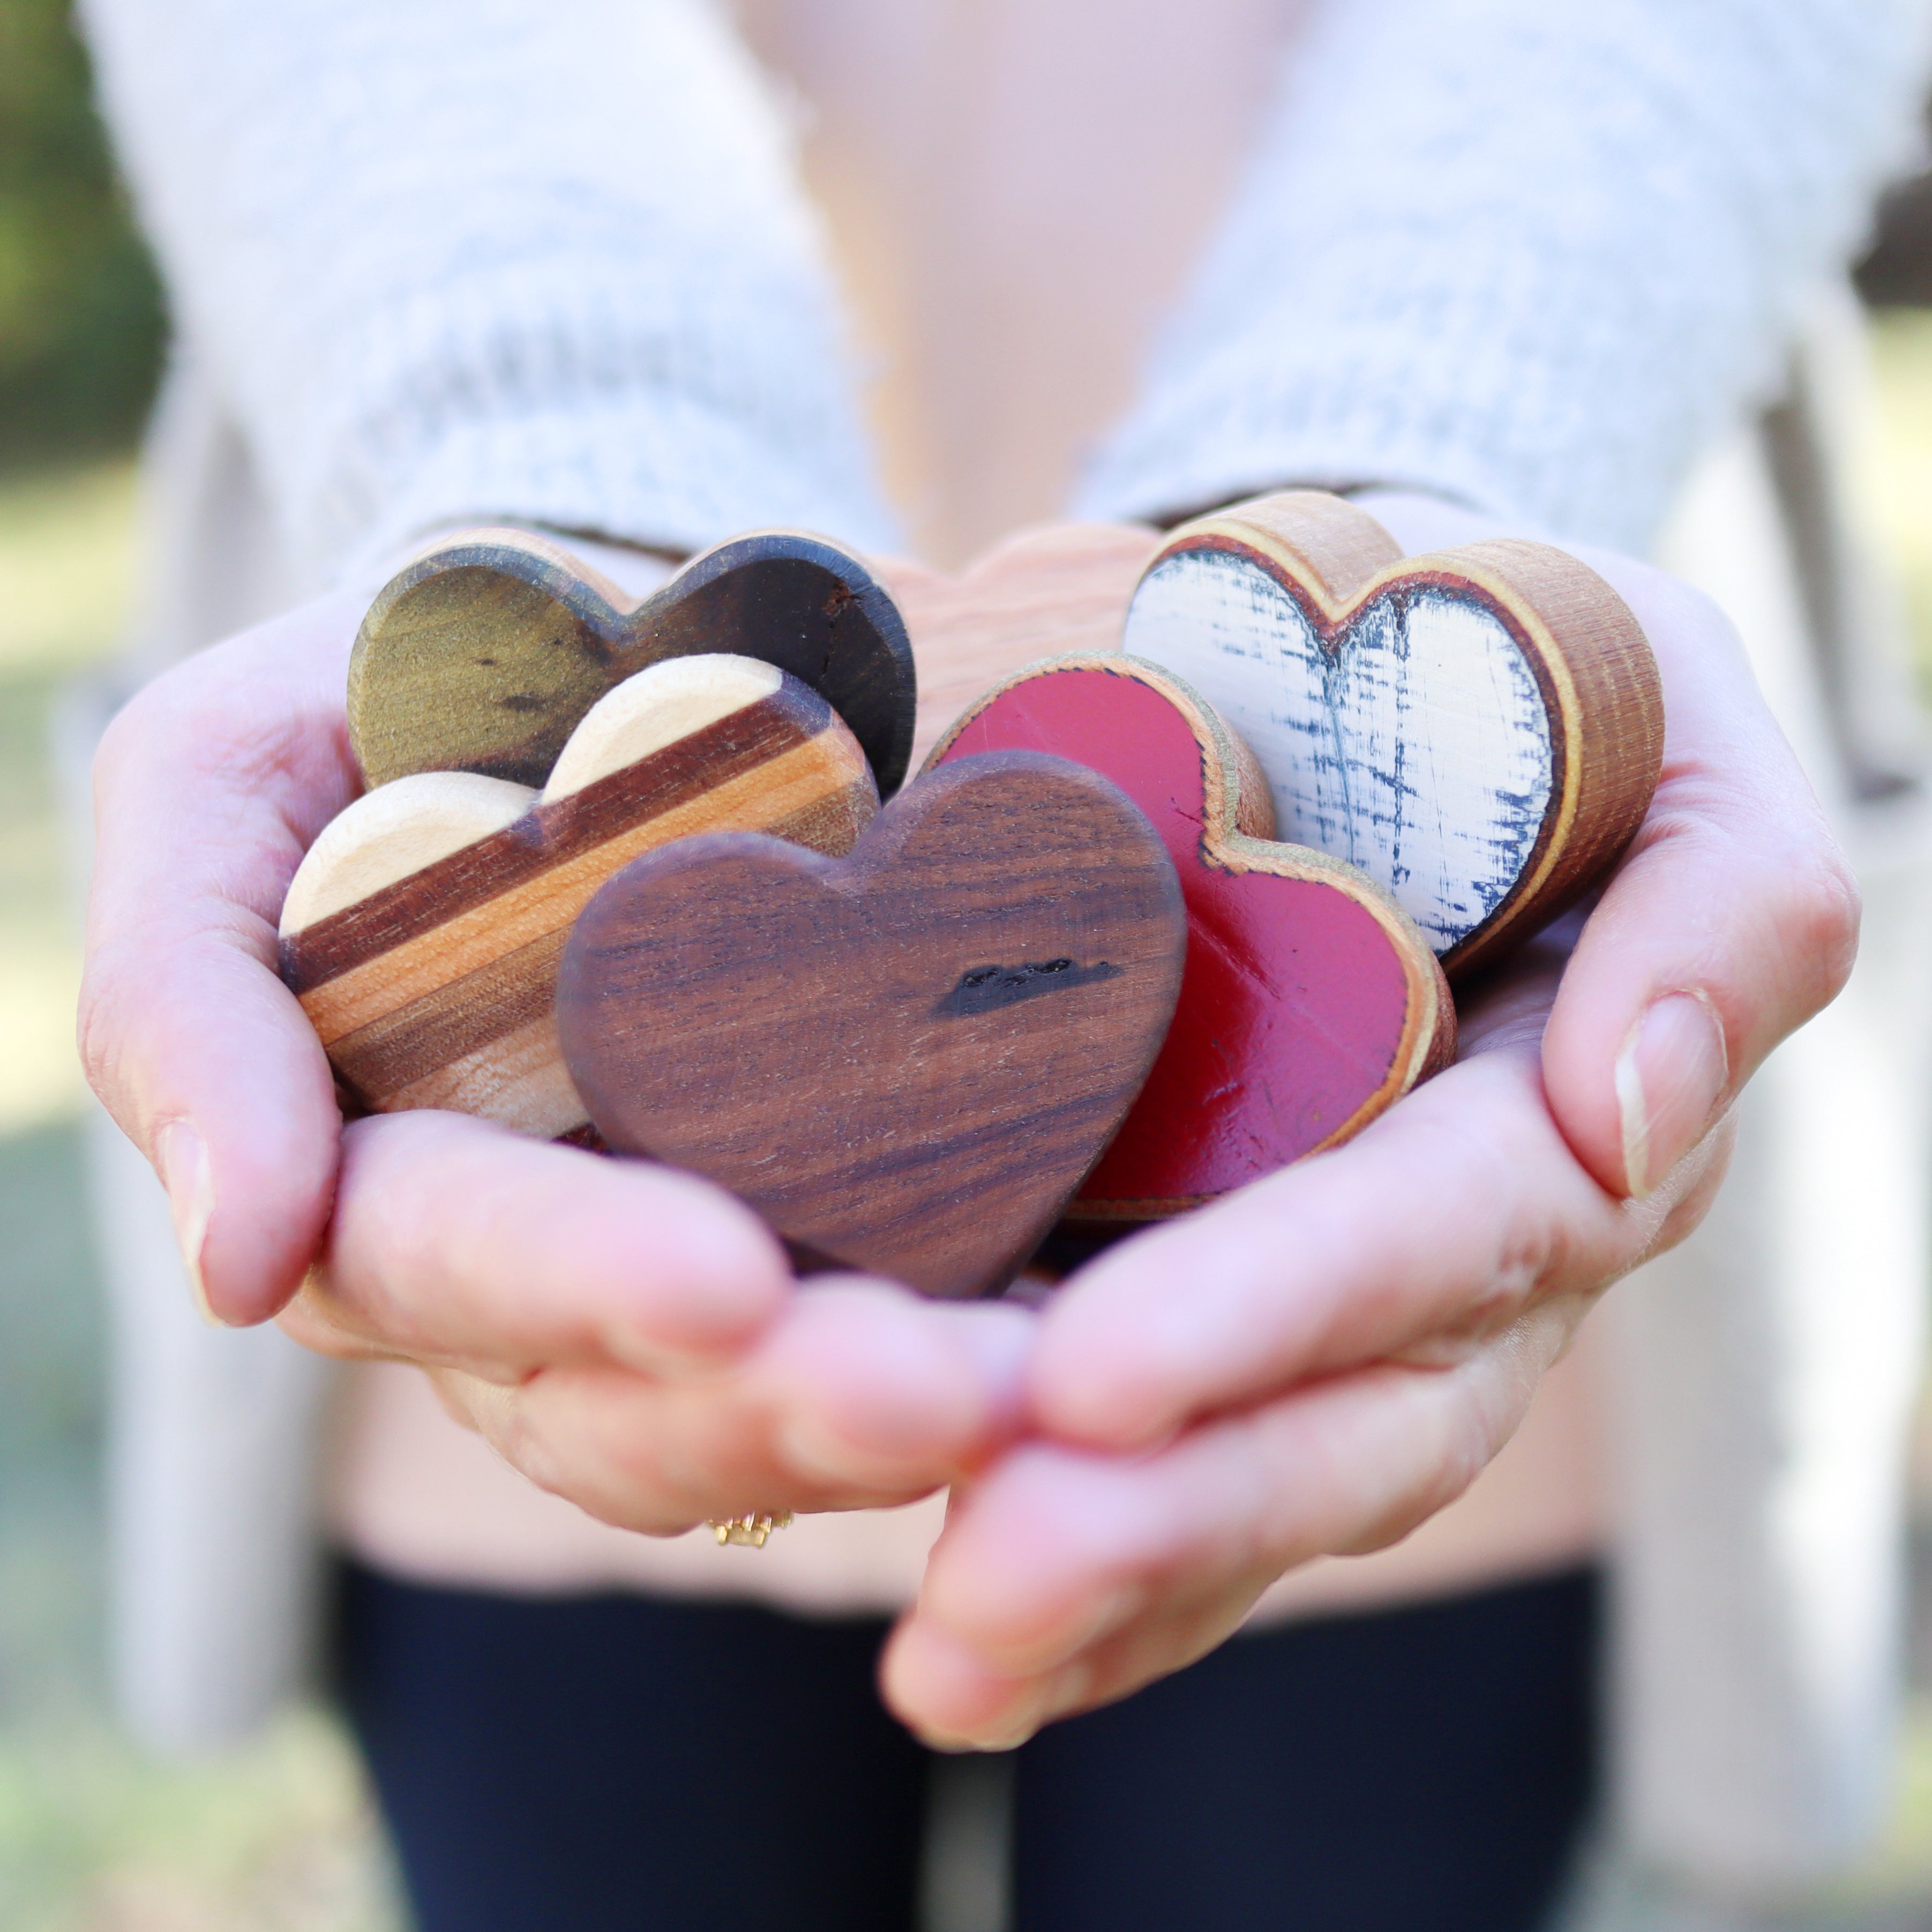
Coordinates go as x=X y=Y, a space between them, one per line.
x=628 y=1337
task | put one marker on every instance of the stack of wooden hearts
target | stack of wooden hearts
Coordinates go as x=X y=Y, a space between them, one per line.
x=1170 y=905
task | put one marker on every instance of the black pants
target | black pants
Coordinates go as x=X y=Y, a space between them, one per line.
x=619 y=1764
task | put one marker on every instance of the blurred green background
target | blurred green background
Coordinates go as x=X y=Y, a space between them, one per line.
x=80 y=307
x=281 y=1837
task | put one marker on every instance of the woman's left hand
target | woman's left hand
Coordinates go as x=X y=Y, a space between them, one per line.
x=1315 y=1365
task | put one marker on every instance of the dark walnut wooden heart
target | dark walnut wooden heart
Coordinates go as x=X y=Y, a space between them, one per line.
x=1310 y=1004
x=1479 y=729
x=422 y=932
x=906 y=1060
x=483 y=653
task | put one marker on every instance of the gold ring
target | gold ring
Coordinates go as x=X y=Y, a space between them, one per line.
x=751 y=1530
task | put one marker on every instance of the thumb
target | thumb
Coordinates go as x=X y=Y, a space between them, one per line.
x=207 y=787
x=1733 y=919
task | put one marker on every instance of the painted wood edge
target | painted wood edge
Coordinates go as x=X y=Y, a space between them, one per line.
x=1591 y=657
x=1428 y=1042
x=1424 y=1049
x=1224 y=771
x=1230 y=773
x=1331 y=545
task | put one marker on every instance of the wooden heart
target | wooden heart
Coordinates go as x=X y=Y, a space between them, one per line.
x=1479 y=729
x=484 y=652
x=422 y=932
x=906 y=1061
x=1310 y=1002
x=1041 y=593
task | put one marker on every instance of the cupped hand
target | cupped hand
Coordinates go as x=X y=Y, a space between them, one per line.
x=630 y=1337
x=1316 y=1364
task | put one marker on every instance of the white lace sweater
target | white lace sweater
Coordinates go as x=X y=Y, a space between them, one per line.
x=548 y=259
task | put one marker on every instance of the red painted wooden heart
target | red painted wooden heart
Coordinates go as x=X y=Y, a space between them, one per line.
x=1310 y=1002
x=907 y=1060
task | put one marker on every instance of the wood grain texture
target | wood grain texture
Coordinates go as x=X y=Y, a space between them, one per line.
x=484 y=653
x=1480 y=730
x=429 y=971
x=1041 y=593
x=906 y=1061
x=1311 y=1002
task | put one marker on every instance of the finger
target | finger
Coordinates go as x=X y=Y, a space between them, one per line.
x=858 y=1395
x=943 y=1691
x=874 y=1387
x=1064 y=1579
x=642 y=1456
x=456 y=1242
x=1733 y=919
x=208 y=788
x=1308 y=1272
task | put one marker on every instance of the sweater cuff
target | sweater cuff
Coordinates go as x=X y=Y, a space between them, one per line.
x=655 y=469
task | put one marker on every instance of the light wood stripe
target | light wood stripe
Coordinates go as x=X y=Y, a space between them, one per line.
x=452 y=1021
x=744 y=743
x=549 y=899
x=520 y=1080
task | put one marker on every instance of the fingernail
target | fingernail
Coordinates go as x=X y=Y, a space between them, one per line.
x=1049 y=1697
x=189 y=1179
x=1670 y=1075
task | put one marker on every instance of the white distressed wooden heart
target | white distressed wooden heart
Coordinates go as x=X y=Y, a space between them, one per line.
x=1479 y=729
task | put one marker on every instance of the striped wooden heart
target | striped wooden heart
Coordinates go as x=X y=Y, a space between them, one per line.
x=422 y=931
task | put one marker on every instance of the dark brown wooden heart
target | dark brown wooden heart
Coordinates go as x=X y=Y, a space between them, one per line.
x=907 y=1060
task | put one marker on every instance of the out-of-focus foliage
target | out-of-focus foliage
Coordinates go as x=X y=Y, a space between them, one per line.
x=80 y=310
